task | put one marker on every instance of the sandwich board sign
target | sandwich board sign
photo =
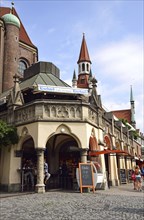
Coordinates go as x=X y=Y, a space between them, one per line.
x=86 y=176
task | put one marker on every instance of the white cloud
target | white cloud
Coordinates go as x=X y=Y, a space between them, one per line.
x=5 y=3
x=122 y=60
x=51 y=30
x=119 y=65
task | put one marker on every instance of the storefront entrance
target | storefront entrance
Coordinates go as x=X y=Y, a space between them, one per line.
x=28 y=166
x=62 y=155
x=69 y=157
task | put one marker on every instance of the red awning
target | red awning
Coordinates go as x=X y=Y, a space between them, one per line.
x=119 y=152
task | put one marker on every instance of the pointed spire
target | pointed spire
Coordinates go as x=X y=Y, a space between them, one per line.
x=74 y=80
x=133 y=122
x=84 y=55
x=84 y=66
x=74 y=75
x=90 y=75
x=131 y=95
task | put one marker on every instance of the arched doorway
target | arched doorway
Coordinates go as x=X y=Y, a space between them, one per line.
x=69 y=157
x=28 y=164
x=62 y=150
x=28 y=150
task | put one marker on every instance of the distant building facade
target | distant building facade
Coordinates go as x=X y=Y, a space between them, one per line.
x=55 y=121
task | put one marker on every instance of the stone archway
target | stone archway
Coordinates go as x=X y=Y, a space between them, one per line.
x=62 y=148
x=28 y=164
x=28 y=150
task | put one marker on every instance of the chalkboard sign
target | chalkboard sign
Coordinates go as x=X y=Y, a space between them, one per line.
x=86 y=175
x=123 y=178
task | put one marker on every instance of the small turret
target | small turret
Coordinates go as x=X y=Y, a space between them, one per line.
x=84 y=66
x=11 y=19
x=133 y=122
x=74 y=80
x=11 y=48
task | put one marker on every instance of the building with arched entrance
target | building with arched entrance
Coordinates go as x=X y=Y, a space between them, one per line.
x=61 y=123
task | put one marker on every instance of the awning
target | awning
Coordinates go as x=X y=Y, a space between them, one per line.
x=119 y=152
x=139 y=159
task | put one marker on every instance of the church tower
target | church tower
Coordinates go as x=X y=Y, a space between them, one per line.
x=84 y=66
x=11 y=48
x=133 y=123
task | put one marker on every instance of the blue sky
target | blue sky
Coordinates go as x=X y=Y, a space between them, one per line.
x=114 y=35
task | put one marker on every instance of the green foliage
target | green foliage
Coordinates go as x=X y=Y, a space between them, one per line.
x=8 y=134
x=135 y=135
x=123 y=120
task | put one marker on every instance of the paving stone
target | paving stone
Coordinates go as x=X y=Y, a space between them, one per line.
x=116 y=203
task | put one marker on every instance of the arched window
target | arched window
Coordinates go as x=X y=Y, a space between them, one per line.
x=87 y=67
x=21 y=67
x=83 y=67
x=107 y=142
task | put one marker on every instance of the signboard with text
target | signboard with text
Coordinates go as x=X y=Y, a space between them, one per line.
x=60 y=89
x=123 y=178
x=86 y=176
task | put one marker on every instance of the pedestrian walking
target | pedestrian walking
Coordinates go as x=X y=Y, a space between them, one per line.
x=138 y=182
x=133 y=177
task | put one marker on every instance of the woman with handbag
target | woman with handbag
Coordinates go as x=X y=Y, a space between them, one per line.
x=133 y=177
x=138 y=181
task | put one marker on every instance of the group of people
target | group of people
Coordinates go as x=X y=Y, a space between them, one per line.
x=137 y=177
x=30 y=172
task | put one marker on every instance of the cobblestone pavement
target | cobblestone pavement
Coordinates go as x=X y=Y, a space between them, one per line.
x=116 y=203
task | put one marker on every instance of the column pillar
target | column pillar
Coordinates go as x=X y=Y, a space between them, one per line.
x=40 y=187
x=84 y=155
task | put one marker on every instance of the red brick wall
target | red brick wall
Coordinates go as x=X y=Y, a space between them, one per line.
x=11 y=47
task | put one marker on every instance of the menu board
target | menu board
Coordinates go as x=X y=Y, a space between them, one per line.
x=123 y=178
x=86 y=176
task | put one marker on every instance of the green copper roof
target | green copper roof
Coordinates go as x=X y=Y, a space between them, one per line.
x=11 y=19
x=44 y=79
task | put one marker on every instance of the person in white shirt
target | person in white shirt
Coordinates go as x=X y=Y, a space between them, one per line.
x=46 y=173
